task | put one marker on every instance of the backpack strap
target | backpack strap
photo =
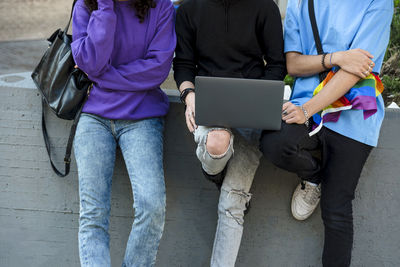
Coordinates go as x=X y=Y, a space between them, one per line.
x=311 y=13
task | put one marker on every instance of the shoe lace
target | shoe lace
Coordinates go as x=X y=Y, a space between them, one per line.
x=311 y=193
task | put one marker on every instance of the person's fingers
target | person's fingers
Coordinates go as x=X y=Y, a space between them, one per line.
x=296 y=118
x=363 y=76
x=360 y=72
x=191 y=114
x=289 y=116
x=188 y=122
x=192 y=120
x=290 y=111
x=360 y=75
x=293 y=120
x=189 y=125
x=371 y=65
x=369 y=54
x=362 y=51
x=365 y=52
x=289 y=121
x=286 y=105
x=285 y=110
x=290 y=107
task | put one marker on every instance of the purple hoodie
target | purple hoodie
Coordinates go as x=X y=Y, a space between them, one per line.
x=127 y=60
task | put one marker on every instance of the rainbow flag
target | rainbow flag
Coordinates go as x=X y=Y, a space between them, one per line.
x=361 y=97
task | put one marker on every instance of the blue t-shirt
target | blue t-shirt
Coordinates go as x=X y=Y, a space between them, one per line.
x=342 y=25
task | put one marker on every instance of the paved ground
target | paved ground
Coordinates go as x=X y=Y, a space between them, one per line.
x=20 y=56
x=37 y=19
x=32 y=19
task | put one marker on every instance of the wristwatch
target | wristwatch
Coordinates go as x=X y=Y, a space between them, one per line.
x=184 y=93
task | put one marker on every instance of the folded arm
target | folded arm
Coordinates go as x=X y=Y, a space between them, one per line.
x=369 y=43
x=356 y=61
x=149 y=72
x=93 y=36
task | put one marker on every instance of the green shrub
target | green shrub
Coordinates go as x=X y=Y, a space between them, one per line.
x=392 y=84
x=289 y=80
x=394 y=42
x=390 y=78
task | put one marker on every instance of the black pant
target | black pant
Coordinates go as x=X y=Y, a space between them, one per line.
x=337 y=169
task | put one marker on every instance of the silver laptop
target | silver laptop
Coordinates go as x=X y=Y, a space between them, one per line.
x=239 y=103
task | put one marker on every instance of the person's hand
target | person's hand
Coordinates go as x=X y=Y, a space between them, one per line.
x=189 y=113
x=355 y=61
x=76 y=67
x=292 y=114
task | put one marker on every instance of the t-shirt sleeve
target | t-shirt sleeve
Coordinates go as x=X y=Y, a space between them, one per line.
x=291 y=28
x=374 y=32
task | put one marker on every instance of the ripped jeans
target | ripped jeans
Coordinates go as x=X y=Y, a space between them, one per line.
x=242 y=157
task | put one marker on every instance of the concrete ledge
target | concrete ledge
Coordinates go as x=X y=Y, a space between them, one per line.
x=39 y=211
x=23 y=80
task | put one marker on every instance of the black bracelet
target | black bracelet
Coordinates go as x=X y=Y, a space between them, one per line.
x=184 y=93
x=323 y=61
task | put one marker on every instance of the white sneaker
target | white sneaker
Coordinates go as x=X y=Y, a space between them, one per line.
x=305 y=199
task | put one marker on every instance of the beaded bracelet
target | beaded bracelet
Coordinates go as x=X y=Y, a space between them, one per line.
x=323 y=61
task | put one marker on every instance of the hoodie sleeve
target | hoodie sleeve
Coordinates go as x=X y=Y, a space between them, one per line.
x=93 y=36
x=150 y=71
x=185 y=59
x=272 y=41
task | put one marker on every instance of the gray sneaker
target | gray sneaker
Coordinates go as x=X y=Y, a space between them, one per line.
x=305 y=199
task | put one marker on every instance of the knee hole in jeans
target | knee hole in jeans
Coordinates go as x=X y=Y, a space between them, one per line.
x=218 y=142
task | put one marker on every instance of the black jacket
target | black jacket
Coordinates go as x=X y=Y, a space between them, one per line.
x=229 y=38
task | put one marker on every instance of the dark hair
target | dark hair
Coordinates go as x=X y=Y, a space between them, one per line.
x=141 y=7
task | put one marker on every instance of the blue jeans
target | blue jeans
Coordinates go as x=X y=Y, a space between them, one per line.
x=242 y=159
x=141 y=143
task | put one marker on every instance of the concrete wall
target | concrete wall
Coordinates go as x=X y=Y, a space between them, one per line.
x=39 y=211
